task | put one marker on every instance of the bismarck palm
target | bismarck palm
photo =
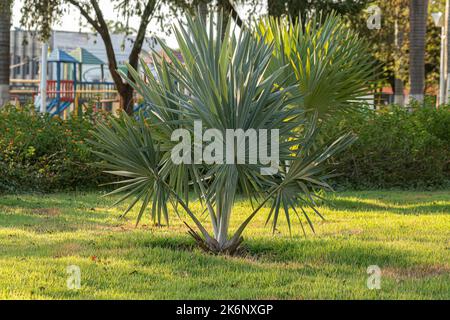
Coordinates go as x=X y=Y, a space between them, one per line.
x=228 y=83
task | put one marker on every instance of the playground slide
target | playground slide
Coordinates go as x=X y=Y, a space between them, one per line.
x=54 y=106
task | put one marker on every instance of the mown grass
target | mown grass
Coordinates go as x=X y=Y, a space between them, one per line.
x=407 y=234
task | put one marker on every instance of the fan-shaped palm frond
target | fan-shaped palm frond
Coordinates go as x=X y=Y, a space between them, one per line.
x=327 y=60
x=129 y=152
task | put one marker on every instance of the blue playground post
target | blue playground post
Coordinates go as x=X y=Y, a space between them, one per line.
x=58 y=84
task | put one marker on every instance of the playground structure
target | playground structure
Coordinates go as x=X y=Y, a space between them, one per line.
x=68 y=91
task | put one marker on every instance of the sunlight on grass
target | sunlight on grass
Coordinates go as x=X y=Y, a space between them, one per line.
x=407 y=234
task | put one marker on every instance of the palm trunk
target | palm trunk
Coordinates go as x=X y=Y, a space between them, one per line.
x=224 y=204
x=5 y=26
x=418 y=11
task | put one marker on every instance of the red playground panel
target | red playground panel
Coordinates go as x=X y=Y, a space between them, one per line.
x=65 y=93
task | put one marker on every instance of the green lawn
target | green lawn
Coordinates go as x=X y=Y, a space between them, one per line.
x=407 y=234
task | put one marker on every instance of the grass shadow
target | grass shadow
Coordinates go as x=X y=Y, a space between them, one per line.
x=420 y=207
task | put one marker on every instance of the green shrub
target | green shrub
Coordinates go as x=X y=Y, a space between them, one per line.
x=41 y=153
x=396 y=148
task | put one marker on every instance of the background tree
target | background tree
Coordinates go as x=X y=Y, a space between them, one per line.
x=389 y=44
x=5 y=58
x=42 y=14
x=228 y=6
x=418 y=12
x=433 y=48
x=304 y=8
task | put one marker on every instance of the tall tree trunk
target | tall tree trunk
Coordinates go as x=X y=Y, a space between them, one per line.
x=228 y=9
x=398 y=92
x=418 y=11
x=98 y=22
x=447 y=67
x=126 y=99
x=398 y=83
x=124 y=90
x=5 y=56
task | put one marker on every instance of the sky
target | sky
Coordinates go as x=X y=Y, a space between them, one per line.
x=72 y=22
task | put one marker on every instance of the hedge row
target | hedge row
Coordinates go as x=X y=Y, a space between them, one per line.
x=397 y=148
x=41 y=153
